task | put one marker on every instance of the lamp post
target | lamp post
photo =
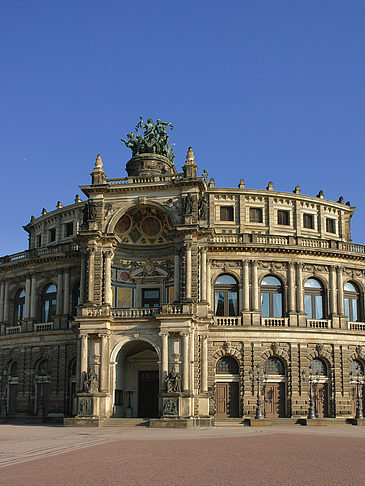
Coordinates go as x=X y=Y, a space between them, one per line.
x=261 y=376
x=312 y=378
x=359 y=379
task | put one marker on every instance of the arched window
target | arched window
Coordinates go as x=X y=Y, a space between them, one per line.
x=13 y=369
x=49 y=297
x=227 y=365
x=19 y=306
x=274 y=366
x=356 y=368
x=351 y=297
x=313 y=299
x=226 y=296
x=271 y=297
x=318 y=367
x=42 y=368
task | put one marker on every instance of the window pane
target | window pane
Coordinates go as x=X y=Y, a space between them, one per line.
x=349 y=287
x=226 y=280
x=52 y=288
x=255 y=215
x=232 y=304
x=270 y=280
x=277 y=301
x=319 y=307
x=46 y=310
x=226 y=213
x=308 y=306
x=313 y=284
x=283 y=217
x=219 y=303
x=354 y=310
x=265 y=304
x=347 y=308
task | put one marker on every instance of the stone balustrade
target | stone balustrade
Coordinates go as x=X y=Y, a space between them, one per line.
x=274 y=321
x=319 y=323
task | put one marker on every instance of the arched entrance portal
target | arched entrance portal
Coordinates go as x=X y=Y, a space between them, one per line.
x=137 y=381
x=274 y=388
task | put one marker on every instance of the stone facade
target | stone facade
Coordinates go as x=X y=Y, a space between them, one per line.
x=164 y=296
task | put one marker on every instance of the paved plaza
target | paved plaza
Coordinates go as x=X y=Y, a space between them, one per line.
x=52 y=456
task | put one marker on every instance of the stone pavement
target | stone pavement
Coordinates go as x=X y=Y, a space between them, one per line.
x=52 y=456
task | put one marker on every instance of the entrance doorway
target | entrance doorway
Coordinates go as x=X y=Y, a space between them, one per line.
x=274 y=390
x=227 y=388
x=320 y=395
x=137 y=381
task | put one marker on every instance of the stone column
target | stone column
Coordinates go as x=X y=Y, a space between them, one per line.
x=164 y=355
x=90 y=287
x=33 y=303
x=204 y=363
x=83 y=357
x=246 y=287
x=203 y=274
x=6 y=301
x=209 y=289
x=333 y=296
x=104 y=362
x=188 y=272
x=340 y=297
x=2 y=293
x=59 y=300
x=177 y=275
x=185 y=380
x=66 y=292
x=108 y=277
x=300 y=289
x=82 y=279
x=255 y=287
x=27 y=298
x=291 y=289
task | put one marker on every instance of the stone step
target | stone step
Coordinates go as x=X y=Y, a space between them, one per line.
x=273 y=422
x=325 y=422
x=124 y=422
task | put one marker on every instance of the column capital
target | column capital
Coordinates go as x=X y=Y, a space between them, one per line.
x=84 y=336
x=203 y=249
x=105 y=335
x=185 y=333
x=163 y=333
x=204 y=337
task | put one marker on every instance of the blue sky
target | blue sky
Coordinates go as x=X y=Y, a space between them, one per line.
x=264 y=90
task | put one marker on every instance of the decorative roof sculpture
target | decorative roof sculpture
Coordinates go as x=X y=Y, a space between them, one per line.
x=153 y=141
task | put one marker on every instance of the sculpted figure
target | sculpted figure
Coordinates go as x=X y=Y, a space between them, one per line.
x=91 y=382
x=173 y=382
x=203 y=208
x=188 y=204
x=92 y=211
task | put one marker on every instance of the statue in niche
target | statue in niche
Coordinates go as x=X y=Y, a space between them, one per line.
x=188 y=204
x=173 y=382
x=89 y=212
x=91 y=382
x=203 y=208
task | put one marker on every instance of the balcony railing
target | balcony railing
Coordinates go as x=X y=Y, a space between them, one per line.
x=136 y=312
x=274 y=321
x=319 y=323
x=44 y=326
x=13 y=330
x=37 y=252
x=356 y=326
x=142 y=180
x=227 y=321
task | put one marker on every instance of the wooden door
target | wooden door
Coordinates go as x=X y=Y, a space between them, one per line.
x=274 y=399
x=148 y=390
x=353 y=393
x=227 y=400
x=320 y=392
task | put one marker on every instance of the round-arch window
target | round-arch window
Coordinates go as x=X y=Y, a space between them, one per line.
x=274 y=366
x=313 y=299
x=19 y=304
x=271 y=297
x=317 y=366
x=226 y=296
x=356 y=368
x=351 y=301
x=227 y=365
x=13 y=369
x=49 y=298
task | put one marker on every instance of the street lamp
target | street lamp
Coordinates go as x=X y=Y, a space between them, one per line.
x=359 y=379
x=312 y=379
x=4 y=401
x=261 y=376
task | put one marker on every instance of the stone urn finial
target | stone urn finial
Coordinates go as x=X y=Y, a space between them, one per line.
x=190 y=159
x=98 y=162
